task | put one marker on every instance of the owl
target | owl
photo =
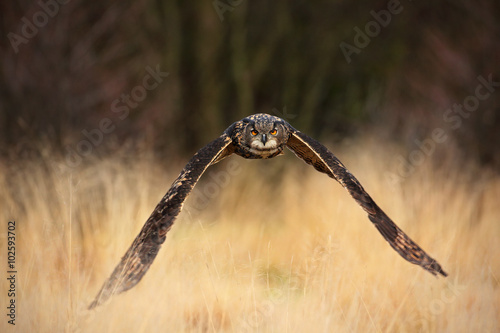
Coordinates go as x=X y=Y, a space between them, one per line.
x=258 y=136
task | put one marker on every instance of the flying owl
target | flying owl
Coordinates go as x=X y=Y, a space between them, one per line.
x=257 y=136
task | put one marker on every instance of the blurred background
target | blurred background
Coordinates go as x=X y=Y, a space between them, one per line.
x=68 y=66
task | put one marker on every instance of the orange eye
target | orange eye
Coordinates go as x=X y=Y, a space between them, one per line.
x=273 y=131
x=254 y=132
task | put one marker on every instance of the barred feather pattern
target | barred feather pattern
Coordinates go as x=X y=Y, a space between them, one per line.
x=139 y=257
x=317 y=155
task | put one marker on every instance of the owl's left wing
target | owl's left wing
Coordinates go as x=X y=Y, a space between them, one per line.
x=136 y=261
x=317 y=155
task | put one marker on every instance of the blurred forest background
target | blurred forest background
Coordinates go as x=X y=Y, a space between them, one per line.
x=102 y=103
x=228 y=59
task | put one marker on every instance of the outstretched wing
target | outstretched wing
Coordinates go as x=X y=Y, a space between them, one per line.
x=136 y=261
x=317 y=155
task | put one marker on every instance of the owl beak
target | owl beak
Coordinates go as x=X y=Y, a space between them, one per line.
x=264 y=138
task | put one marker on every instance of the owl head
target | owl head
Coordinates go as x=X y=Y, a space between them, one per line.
x=262 y=136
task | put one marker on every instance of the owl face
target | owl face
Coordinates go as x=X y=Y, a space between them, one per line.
x=264 y=135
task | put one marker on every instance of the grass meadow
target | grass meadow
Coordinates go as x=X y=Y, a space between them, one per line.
x=261 y=246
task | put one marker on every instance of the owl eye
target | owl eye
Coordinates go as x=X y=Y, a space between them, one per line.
x=273 y=131
x=254 y=132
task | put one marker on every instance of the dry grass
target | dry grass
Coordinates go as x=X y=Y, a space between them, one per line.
x=307 y=259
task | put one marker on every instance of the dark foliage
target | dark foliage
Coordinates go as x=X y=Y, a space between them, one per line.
x=278 y=57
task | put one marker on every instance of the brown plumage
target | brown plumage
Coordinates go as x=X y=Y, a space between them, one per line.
x=257 y=136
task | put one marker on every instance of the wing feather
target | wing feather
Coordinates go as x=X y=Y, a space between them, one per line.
x=317 y=155
x=139 y=257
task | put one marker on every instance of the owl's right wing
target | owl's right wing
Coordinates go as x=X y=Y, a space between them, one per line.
x=139 y=257
x=317 y=155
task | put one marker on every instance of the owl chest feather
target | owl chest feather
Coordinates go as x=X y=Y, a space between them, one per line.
x=253 y=153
